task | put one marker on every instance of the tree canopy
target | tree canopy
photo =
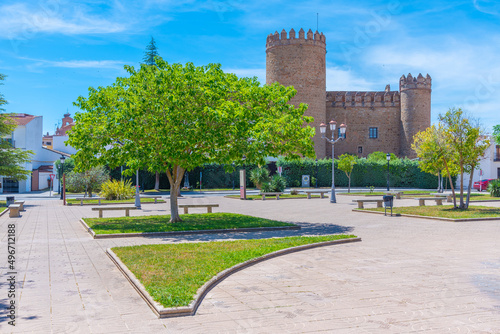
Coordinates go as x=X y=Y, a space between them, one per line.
x=496 y=133
x=174 y=117
x=151 y=53
x=346 y=164
x=11 y=159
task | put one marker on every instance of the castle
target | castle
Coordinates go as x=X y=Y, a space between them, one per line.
x=376 y=121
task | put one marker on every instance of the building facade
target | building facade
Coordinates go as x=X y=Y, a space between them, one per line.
x=376 y=121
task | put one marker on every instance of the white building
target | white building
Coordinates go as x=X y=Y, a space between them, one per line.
x=489 y=166
x=28 y=136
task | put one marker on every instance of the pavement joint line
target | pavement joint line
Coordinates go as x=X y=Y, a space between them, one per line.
x=159 y=234
x=431 y=217
x=164 y=312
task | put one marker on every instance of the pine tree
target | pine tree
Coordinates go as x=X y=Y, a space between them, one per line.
x=151 y=53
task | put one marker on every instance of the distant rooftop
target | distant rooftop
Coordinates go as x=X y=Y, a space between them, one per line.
x=22 y=119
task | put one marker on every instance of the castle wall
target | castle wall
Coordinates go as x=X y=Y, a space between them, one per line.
x=300 y=62
x=360 y=111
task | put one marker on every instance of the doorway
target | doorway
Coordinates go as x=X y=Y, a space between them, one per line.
x=10 y=186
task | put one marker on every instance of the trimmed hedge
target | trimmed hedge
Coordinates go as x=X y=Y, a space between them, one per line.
x=403 y=173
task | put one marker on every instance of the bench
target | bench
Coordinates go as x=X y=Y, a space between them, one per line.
x=155 y=197
x=397 y=194
x=449 y=197
x=208 y=206
x=321 y=192
x=114 y=208
x=270 y=194
x=90 y=199
x=21 y=203
x=362 y=201
x=421 y=201
x=14 y=210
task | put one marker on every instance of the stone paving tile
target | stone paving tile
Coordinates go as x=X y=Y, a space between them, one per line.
x=408 y=275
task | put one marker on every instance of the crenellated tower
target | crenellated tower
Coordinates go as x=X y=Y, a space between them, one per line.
x=415 y=109
x=299 y=61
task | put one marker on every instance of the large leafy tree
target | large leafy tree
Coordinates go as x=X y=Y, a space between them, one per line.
x=435 y=155
x=89 y=181
x=496 y=133
x=11 y=159
x=173 y=118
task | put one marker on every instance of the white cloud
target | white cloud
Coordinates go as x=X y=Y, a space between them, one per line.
x=338 y=79
x=111 y=64
x=488 y=6
x=20 y=21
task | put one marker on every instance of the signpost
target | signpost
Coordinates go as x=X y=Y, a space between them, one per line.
x=243 y=184
x=51 y=188
x=280 y=170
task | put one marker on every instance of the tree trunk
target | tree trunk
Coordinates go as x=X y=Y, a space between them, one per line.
x=175 y=178
x=349 y=187
x=451 y=185
x=462 y=204
x=469 y=187
x=157 y=181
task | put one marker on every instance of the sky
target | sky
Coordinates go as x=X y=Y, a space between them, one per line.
x=52 y=51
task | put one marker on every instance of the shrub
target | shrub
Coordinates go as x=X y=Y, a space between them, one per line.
x=116 y=190
x=259 y=176
x=278 y=183
x=90 y=180
x=494 y=188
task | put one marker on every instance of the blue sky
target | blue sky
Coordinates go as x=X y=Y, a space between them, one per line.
x=53 y=50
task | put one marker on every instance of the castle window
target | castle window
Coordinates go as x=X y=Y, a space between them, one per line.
x=373 y=133
x=360 y=149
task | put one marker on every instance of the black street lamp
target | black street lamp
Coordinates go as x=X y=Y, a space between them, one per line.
x=388 y=156
x=61 y=159
x=333 y=141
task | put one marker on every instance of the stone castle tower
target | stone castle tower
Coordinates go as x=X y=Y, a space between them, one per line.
x=300 y=62
x=376 y=121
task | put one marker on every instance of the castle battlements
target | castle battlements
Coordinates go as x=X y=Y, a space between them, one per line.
x=410 y=82
x=363 y=99
x=276 y=39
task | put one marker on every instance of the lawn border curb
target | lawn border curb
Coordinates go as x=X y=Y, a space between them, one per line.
x=432 y=217
x=173 y=233
x=271 y=198
x=164 y=312
x=4 y=211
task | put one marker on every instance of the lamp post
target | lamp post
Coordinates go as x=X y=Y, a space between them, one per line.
x=61 y=159
x=388 y=156
x=333 y=141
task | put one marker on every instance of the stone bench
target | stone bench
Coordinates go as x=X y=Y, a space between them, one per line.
x=208 y=206
x=21 y=203
x=449 y=197
x=270 y=194
x=397 y=194
x=115 y=208
x=14 y=210
x=90 y=199
x=310 y=192
x=362 y=201
x=421 y=201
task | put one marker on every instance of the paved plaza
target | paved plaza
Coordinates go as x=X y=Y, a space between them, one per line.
x=407 y=275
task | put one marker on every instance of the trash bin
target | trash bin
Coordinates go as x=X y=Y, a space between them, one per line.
x=10 y=200
x=388 y=202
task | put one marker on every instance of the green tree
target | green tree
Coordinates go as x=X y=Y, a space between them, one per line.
x=149 y=59
x=380 y=156
x=11 y=159
x=151 y=53
x=435 y=155
x=174 y=117
x=346 y=164
x=89 y=181
x=467 y=142
x=259 y=176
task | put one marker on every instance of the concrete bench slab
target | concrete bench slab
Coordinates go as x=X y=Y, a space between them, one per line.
x=115 y=208
x=320 y=192
x=397 y=194
x=90 y=199
x=362 y=201
x=14 y=210
x=421 y=201
x=21 y=203
x=270 y=194
x=208 y=206
x=449 y=197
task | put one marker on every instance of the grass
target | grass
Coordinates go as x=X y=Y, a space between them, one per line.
x=172 y=273
x=190 y=222
x=195 y=189
x=2 y=209
x=364 y=193
x=75 y=201
x=284 y=196
x=3 y=206
x=445 y=211
x=473 y=196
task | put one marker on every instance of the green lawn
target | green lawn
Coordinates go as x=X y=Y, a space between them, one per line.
x=2 y=209
x=3 y=206
x=445 y=211
x=172 y=273
x=74 y=201
x=190 y=222
x=474 y=196
x=284 y=196
x=194 y=189
x=365 y=193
